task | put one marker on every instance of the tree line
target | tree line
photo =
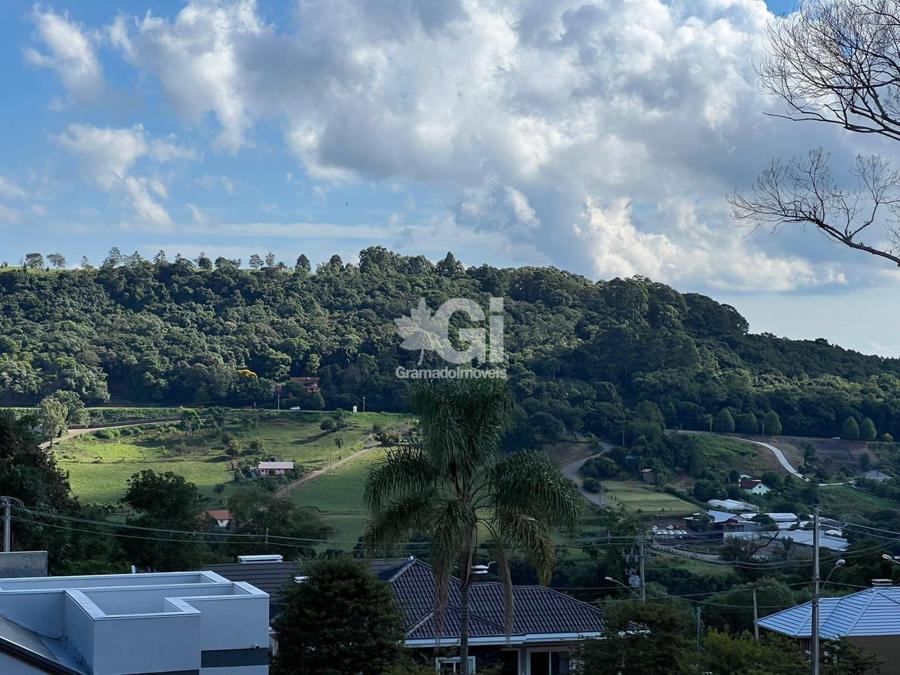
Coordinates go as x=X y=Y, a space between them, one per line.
x=582 y=355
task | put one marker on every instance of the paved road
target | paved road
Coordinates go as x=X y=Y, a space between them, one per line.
x=779 y=455
x=570 y=471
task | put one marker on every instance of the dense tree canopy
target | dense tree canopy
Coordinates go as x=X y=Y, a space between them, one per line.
x=340 y=620
x=581 y=354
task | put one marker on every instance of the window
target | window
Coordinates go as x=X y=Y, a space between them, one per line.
x=447 y=665
x=548 y=662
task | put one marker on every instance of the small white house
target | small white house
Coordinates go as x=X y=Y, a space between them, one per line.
x=274 y=468
x=221 y=516
x=753 y=486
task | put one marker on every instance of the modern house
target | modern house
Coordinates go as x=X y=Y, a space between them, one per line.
x=546 y=626
x=274 y=468
x=868 y=619
x=115 y=624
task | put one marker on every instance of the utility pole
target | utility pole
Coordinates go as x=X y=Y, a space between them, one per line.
x=643 y=579
x=755 y=617
x=7 y=525
x=364 y=403
x=7 y=503
x=814 y=637
x=699 y=624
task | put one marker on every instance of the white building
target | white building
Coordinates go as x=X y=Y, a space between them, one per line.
x=274 y=468
x=176 y=622
x=731 y=505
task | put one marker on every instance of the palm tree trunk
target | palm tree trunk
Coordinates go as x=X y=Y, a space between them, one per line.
x=464 y=626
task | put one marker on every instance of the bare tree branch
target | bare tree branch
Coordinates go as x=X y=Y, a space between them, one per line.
x=836 y=62
x=802 y=191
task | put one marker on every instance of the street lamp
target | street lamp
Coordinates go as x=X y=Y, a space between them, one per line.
x=840 y=562
x=890 y=558
x=627 y=588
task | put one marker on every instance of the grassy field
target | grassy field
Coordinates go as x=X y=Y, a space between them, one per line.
x=844 y=501
x=338 y=497
x=644 y=499
x=98 y=467
x=724 y=454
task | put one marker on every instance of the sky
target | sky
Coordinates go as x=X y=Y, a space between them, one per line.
x=598 y=136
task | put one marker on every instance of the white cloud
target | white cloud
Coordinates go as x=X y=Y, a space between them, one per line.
x=197 y=214
x=569 y=131
x=110 y=155
x=9 y=215
x=70 y=52
x=196 y=59
x=209 y=182
x=10 y=189
x=692 y=251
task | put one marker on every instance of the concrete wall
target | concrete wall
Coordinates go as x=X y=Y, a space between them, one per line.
x=233 y=623
x=146 y=644
x=41 y=612
x=15 y=564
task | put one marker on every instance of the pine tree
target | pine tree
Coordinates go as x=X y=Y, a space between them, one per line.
x=867 y=430
x=771 y=423
x=850 y=429
x=724 y=422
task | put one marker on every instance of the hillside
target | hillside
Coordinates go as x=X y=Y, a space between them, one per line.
x=216 y=459
x=581 y=354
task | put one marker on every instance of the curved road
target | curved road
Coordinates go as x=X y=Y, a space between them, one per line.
x=570 y=471
x=779 y=455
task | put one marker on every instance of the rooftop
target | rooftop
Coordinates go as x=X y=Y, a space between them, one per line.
x=101 y=623
x=537 y=611
x=874 y=611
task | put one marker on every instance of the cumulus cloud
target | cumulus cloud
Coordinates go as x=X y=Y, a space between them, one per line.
x=69 y=50
x=196 y=60
x=566 y=131
x=110 y=156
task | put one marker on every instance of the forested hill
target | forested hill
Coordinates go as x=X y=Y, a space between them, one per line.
x=581 y=354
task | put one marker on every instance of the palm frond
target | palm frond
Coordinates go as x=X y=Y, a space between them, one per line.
x=527 y=482
x=403 y=472
x=530 y=536
x=398 y=519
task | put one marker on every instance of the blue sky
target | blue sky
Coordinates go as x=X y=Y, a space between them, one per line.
x=600 y=137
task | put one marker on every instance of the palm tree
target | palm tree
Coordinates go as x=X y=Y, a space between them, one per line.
x=456 y=485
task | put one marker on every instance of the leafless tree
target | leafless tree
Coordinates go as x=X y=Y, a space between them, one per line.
x=835 y=62
x=802 y=191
